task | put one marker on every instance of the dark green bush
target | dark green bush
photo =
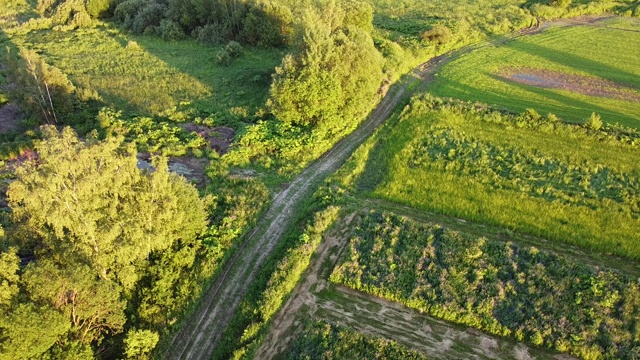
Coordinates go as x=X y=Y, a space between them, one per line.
x=149 y=16
x=169 y=30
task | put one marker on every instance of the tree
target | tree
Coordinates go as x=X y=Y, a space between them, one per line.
x=29 y=330
x=139 y=343
x=91 y=304
x=88 y=203
x=9 y=264
x=332 y=77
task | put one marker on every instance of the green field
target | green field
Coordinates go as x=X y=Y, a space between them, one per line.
x=147 y=75
x=533 y=175
x=606 y=51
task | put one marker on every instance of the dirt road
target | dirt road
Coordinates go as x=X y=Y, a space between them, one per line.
x=201 y=333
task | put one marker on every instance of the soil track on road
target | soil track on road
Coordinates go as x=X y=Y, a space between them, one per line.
x=202 y=331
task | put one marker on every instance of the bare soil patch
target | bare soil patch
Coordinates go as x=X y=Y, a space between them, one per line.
x=10 y=116
x=219 y=138
x=192 y=168
x=586 y=85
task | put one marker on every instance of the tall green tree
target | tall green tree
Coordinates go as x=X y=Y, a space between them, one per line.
x=334 y=74
x=88 y=203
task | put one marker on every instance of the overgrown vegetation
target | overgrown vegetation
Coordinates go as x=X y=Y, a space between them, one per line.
x=320 y=340
x=276 y=281
x=501 y=288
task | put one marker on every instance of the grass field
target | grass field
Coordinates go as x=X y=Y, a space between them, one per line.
x=147 y=75
x=556 y=181
x=607 y=51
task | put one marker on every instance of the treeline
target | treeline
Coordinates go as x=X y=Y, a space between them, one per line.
x=320 y=340
x=101 y=258
x=502 y=288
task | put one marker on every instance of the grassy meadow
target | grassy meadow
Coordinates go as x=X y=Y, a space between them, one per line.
x=147 y=75
x=606 y=51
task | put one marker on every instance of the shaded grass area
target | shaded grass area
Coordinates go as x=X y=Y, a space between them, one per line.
x=149 y=76
x=602 y=52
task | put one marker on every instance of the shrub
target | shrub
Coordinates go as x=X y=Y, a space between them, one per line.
x=149 y=16
x=234 y=49
x=169 y=30
x=127 y=10
x=209 y=34
x=594 y=122
x=438 y=34
x=96 y=8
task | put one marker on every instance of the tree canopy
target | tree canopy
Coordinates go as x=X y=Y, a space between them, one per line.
x=92 y=221
x=332 y=77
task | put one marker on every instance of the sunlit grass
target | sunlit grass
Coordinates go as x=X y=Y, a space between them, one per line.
x=606 y=53
x=573 y=201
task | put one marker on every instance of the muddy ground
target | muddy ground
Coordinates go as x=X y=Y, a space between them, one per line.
x=586 y=85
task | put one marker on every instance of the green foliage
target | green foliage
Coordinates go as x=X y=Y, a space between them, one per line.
x=89 y=202
x=331 y=78
x=229 y=52
x=9 y=264
x=93 y=306
x=321 y=340
x=139 y=343
x=268 y=24
x=72 y=13
x=439 y=34
x=148 y=18
x=29 y=330
x=594 y=122
x=169 y=30
x=498 y=287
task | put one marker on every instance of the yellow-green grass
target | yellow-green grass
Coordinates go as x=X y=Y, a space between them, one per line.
x=565 y=186
x=149 y=76
x=607 y=51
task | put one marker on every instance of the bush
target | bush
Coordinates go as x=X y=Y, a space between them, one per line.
x=96 y=8
x=438 y=34
x=594 y=122
x=149 y=16
x=234 y=49
x=209 y=34
x=170 y=30
x=127 y=10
